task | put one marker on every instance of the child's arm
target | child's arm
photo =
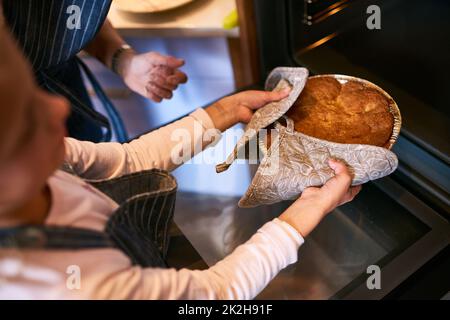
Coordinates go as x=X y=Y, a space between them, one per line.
x=241 y=275
x=158 y=149
x=170 y=146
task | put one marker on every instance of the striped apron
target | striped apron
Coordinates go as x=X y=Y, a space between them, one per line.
x=139 y=227
x=51 y=34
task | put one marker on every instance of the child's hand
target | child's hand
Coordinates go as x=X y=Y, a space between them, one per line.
x=314 y=203
x=231 y=110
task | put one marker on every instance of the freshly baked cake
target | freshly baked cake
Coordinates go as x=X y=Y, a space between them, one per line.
x=344 y=113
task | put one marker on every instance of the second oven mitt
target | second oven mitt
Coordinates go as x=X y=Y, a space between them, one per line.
x=296 y=161
x=278 y=79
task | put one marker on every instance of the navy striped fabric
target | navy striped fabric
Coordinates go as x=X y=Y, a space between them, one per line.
x=51 y=33
x=40 y=26
x=139 y=227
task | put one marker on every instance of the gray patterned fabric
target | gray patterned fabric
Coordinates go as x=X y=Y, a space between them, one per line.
x=278 y=79
x=296 y=161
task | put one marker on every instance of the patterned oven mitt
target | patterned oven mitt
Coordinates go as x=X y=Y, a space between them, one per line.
x=278 y=79
x=296 y=161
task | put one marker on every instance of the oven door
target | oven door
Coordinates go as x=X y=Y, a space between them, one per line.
x=386 y=226
x=398 y=223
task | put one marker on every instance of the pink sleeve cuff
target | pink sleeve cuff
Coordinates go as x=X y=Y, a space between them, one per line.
x=202 y=116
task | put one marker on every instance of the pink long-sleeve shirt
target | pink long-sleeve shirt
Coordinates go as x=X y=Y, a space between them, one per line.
x=108 y=273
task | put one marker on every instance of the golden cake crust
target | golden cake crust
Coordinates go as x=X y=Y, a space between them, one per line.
x=344 y=113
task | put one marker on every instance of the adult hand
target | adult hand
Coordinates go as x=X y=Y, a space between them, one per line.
x=314 y=203
x=152 y=75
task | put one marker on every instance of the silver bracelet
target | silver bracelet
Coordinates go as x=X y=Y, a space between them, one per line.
x=116 y=57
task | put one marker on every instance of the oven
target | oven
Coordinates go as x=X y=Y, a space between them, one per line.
x=407 y=55
x=398 y=225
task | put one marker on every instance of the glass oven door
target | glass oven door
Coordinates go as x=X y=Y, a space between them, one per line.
x=385 y=226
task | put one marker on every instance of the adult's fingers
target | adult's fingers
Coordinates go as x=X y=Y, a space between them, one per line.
x=161 y=92
x=163 y=83
x=163 y=60
x=177 y=77
x=151 y=95
x=163 y=71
